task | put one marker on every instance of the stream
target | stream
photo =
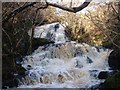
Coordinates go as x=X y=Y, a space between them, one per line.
x=64 y=64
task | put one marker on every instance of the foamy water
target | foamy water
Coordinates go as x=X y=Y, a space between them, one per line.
x=64 y=64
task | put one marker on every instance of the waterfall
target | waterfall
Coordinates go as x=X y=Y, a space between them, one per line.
x=64 y=64
x=54 y=32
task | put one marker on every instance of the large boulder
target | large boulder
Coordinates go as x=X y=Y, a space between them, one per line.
x=114 y=57
x=113 y=82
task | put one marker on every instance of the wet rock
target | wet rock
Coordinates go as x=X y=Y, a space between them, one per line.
x=41 y=80
x=78 y=64
x=40 y=42
x=89 y=60
x=100 y=47
x=113 y=82
x=95 y=87
x=56 y=27
x=19 y=60
x=93 y=73
x=45 y=79
x=29 y=67
x=103 y=75
x=61 y=78
x=114 y=59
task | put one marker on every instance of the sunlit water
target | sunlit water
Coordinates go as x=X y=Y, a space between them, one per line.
x=64 y=64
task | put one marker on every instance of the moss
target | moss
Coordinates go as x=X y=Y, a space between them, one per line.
x=113 y=81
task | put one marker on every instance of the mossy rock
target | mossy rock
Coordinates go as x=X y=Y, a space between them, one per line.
x=113 y=82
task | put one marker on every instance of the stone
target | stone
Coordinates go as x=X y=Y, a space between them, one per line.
x=40 y=42
x=114 y=59
x=89 y=60
x=112 y=82
x=103 y=75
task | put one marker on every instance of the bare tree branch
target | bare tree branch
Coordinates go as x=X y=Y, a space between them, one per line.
x=23 y=7
x=74 y=9
x=16 y=11
x=60 y=6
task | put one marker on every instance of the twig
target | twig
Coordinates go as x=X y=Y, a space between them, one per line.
x=114 y=9
x=16 y=11
x=20 y=9
x=104 y=31
x=20 y=39
x=8 y=38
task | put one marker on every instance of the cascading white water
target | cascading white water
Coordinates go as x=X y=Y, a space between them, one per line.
x=63 y=64
x=54 y=32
